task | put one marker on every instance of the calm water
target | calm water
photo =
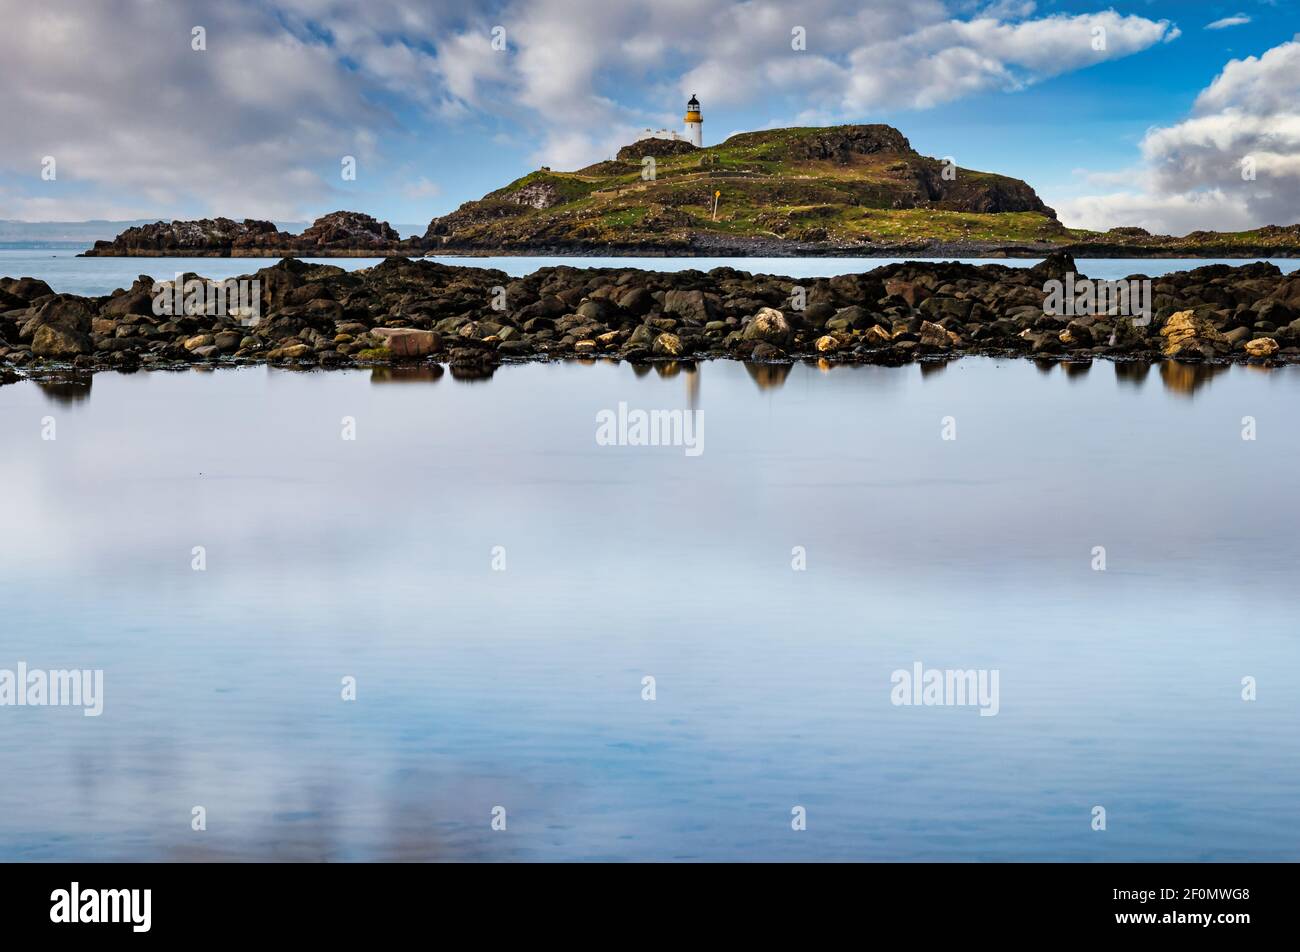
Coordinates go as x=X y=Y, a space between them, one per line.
x=93 y=276
x=522 y=688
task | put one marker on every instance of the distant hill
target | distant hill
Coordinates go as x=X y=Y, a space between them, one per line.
x=857 y=185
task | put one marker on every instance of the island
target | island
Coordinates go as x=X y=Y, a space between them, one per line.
x=847 y=191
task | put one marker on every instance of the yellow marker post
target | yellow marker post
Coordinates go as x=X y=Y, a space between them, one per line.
x=716 y=195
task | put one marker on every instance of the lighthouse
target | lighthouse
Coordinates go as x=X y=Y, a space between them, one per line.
x=694 y=124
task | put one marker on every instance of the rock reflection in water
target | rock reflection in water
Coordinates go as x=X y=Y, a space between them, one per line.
x=768 y=376
x=1186 y=379
x=67 y=390
x=1132 y=372
x=931 y=368
x=471 y=373
x=421 y=373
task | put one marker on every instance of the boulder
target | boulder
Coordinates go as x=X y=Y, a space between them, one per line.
x=408 y=342
x=768 y=326
x=932 y=335
x=1261 y=347
x=691 y=305
x=877 y=336
x=1187 y=334
x=667 y=345
x=61 y=328
x=58 y=343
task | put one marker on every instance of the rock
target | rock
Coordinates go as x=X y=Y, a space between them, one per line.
x=26 y=289
x=337 y=232
x=227 y=342
x=932 y=335
x=768 y=326
x=877 y=336
x=202 y=340
x=59 y=343
x=636 y=301
x=1076 y=334
x=408 y=342
x=827 y=344
x=1054 y=267
x=61 y=328
x=910 y=291
x=667 y=345
x=598 y=310
x=1261 y=347
x=692 y=305
x=1187 y=334
x=766 y=351
x=290 y=352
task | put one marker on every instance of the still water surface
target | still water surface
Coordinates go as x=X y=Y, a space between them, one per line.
x=522 y=688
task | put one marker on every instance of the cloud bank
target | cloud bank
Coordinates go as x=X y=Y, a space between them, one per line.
x=1233 y=163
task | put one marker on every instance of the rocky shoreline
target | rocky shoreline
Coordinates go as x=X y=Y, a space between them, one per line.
x=354 y=235
x=404 y=311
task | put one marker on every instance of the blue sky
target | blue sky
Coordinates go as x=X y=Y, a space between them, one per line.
x=1151 y=128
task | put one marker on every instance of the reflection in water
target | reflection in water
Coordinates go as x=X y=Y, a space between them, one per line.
x=1186 y=379
x=768 y=376
x=640 y=369
x=471 y=373
x=420 y=373
x=67 y=390
x=1132 y=372
x=668 y=368
x=1077 y=368
x=1045 y=365
x=930 y=368
x=481 y=688
x=693 y=387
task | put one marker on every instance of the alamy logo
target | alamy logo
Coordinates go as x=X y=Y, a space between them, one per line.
x=36 y=688
x=238 y=297
x=624 y=427
x=946 y=687
x=1084 y=297
x=103 y=905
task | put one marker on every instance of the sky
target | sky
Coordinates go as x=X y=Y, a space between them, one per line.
x=1172 y=116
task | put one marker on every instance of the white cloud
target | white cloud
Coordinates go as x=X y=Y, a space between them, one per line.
x=1234 y=163
x=1239 y=19
x=256 y=124
x=576 y=58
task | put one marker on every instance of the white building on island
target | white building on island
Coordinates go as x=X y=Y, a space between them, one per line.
x=693 y=133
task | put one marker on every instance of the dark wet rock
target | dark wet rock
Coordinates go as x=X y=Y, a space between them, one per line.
x=338 y=233
x=419 y=311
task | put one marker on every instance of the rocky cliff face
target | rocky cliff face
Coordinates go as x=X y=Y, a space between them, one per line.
x=655 y=147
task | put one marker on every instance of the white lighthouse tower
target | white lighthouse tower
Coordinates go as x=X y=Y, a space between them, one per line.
x=694 y=124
